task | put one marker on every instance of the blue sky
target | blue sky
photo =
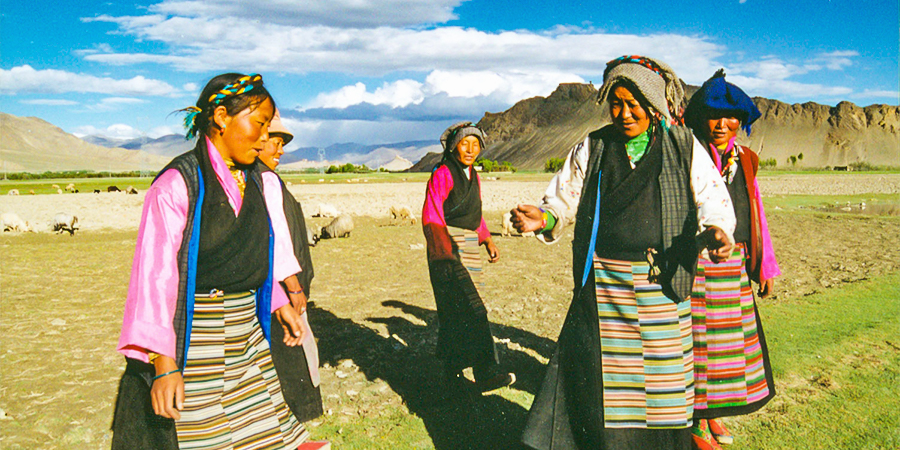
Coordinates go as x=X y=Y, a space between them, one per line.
x=397 y=70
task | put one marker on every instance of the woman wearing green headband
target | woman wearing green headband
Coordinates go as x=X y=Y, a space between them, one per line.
x=205 y=296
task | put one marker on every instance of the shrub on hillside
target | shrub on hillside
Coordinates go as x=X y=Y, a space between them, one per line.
x=553 y=165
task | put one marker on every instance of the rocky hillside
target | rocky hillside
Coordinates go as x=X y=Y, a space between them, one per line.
x=538 y=128
x=30 y=144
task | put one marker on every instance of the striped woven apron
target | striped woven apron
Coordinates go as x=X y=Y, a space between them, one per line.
x=233 y=398
x=466 y=246
x=645 y=339
x=728 y=359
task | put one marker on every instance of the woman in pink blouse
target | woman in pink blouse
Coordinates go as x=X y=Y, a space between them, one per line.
x=732 y=375
x=454 y=228
x=205 y=292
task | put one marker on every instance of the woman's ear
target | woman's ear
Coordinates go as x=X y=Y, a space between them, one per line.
x=220 y=117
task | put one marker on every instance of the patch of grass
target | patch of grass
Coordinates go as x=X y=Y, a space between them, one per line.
x=814 y=202
x=836 y=360
x=45 y=186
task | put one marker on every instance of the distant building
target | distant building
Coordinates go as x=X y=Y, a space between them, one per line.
x=398 y=164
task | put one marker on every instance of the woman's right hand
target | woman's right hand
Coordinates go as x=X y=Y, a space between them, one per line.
x=527 y=218
x=167 y=393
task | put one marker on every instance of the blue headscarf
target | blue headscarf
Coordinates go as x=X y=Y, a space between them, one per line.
x=718 y=96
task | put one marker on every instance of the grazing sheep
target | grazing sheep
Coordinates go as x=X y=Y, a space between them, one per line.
x=31 y=191
x=311 y=237
x=338 y=228
x=113 y=189
x=402 y=214
x=54 y=186
x=59 y=191
x=13 y=192
x=96 y=191
x=71 y=187
x=12 y=222
x=506 y=224
x=64 y=222
x=131 y=190
x=327 y=210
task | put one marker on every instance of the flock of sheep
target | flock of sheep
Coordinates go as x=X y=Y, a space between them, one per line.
x=340 y=226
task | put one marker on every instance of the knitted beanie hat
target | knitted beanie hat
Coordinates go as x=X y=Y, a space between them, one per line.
x=654 y=80
x=457 y=132
x=718 y=96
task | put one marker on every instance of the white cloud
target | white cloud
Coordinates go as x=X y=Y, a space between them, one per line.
x=317 y=133
x=893 y=96
x=25 y=79
x=395 y=94
x=164 y=131
x=118 y=131
x=208 y=44
x=338 y=13
x=49 y=102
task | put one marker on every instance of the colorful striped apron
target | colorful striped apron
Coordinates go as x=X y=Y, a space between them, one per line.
x=728 y=359
x=233 y=398
x=466 y=247
x=645 y=339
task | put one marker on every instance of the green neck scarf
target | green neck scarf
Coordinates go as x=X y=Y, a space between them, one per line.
x=637 y=146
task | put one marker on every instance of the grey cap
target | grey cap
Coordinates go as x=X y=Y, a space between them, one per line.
x=662 y=89
x=457 y=132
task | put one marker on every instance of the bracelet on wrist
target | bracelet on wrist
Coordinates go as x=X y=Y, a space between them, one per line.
x=295 y=292
x=165 y=374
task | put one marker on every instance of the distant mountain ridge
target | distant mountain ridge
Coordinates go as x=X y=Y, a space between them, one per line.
x=539 y=128
x=31 y=144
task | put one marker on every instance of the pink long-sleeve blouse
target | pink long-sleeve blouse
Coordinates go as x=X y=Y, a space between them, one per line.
x=433 y=222
x=153 y=288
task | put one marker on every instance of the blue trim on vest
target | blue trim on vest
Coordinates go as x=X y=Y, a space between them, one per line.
x=264 y=293
x=193 y=250
x=589 y=260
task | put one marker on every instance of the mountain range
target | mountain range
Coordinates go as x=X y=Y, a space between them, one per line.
x=539 y=128
x=526 y=135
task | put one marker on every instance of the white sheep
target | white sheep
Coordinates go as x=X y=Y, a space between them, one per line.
x=59 y=191
x=341 y=226
x=12 y=222
x=13 y=192
x=54 y=186
x=64 y=222
x=71 y=187
x=327 y=210
x=507 y=229
x=402 y=214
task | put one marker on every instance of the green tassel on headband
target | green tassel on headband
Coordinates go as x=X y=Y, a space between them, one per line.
x=189 y=120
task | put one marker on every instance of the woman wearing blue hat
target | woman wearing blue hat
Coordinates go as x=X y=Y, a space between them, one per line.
x=732 y=374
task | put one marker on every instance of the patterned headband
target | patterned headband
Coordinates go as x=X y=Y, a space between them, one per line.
x=242 y=85
x=634 y=59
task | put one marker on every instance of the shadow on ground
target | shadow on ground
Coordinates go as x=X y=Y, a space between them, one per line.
x=455 y=420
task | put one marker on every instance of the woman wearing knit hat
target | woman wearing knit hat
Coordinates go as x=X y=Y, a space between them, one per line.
x=454 y=228
x=622 y=374
x=731 y=360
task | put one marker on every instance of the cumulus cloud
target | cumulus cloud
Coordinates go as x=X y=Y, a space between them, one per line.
x=26 y=79
x=49 y=102
x=205 y=44
x=123 y=132
x=337 y=13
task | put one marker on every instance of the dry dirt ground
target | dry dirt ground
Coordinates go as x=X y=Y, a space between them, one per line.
x=374 y=317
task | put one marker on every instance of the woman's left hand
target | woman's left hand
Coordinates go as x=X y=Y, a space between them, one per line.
x=492 y=250
x=766 y=288
x=717 y=243
x=294 y=331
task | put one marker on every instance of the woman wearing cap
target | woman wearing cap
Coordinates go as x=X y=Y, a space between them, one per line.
x=454 y=227
x=731 y=360
x=644 y=197
x=297 y=367
x=204 y=298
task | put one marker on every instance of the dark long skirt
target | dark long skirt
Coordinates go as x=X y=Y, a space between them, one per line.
x=568 y=411
x=464 y=338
